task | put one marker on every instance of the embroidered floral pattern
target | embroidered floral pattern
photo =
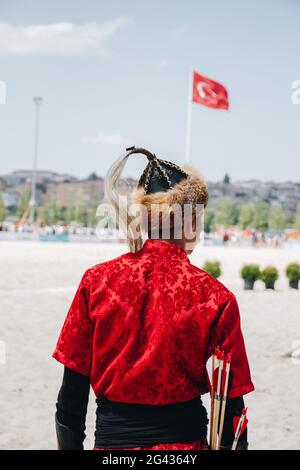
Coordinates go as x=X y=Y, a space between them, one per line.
x=143 y=326
x=194 y=445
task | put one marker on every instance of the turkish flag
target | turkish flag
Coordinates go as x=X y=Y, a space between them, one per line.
x=209 y=93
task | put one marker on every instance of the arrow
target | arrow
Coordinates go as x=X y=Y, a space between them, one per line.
x=217 y=398
x=227 y=362
x=239 y=426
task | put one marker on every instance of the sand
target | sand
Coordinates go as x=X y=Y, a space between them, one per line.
x=37 y=283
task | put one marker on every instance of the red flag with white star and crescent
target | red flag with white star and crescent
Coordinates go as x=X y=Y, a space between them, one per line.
x=209 y=93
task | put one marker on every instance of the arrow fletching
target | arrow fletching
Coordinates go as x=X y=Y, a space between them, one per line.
x=239 y=426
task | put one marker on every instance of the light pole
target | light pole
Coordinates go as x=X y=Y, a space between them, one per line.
x=38 y=101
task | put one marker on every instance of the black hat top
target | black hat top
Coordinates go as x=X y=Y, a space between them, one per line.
x=159 y=175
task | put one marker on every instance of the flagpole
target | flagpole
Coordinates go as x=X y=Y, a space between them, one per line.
x=189 y=119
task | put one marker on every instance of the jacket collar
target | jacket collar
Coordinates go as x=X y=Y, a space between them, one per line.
x=163 y=248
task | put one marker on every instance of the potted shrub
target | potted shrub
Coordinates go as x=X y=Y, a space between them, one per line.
x=269 y=275
x=293 y=274
x=250 y=273
x=213 y=268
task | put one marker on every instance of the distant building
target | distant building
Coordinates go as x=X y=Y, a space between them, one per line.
x=10 y=199
x=15 y=178
x=65 y=189
x=64 y=194
x=287 y=194
x=88 y=191
x=2 y=184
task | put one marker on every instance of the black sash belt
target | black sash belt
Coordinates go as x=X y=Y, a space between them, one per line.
x=133 y=425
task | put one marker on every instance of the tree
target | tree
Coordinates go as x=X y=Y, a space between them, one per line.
x=80 y=211
x=227 y=212
x=93 y=177
x=277 y=219
x=290 y=218
x=246 y=216
x=91 y=217
x=54 y=211
x=297 y=218
x=261 y=215
x=226 y=179
x=44 y=214
x=3 y=210
x=23 y=203
x=209 y=219
x=70 y=211
x=50 y=213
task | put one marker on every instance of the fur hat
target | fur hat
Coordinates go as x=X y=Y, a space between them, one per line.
x=164 y=182
x=164 y=186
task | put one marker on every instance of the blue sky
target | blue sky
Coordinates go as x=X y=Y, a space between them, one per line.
x=116 y=73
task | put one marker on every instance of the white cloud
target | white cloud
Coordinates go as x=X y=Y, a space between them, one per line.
x=179 y=31
x=59 y=38
x=163 y=63
x=107 y=139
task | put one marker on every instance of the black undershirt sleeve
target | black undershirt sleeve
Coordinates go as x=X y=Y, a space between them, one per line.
x=234 y=407
x=72 y=400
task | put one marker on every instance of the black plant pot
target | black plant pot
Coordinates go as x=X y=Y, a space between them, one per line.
x=294 y=284
x=270 y=286
x=248 y=284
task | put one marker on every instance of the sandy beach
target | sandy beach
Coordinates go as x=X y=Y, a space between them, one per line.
x=37 y=284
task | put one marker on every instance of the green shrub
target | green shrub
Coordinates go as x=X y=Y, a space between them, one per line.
x=250 y=272
x=293 y=271
x=269 y=275
x=213 y=268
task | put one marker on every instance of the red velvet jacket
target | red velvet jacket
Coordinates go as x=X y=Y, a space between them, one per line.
x=142 y=327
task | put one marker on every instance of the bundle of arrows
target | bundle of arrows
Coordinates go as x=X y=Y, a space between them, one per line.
x=219 y=388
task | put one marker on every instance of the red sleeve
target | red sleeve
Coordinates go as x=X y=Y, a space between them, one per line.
x=74 y=345
x=227 y=334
